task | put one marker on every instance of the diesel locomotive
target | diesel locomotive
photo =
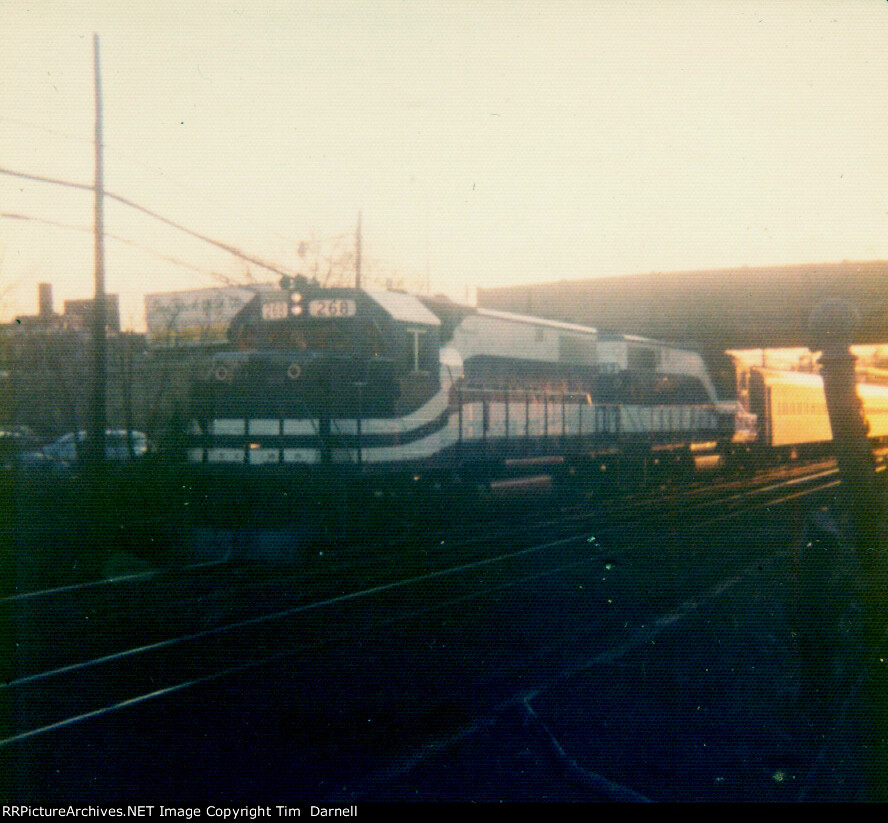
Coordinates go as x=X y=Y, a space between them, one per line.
x=387 y=380
x=375 y=381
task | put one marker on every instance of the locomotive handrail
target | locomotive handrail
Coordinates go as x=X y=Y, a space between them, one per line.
x=536 y=395
x=309 y=415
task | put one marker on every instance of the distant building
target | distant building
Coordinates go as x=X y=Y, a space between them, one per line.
x=78 y=314
x=77 y=317
x=46 y=368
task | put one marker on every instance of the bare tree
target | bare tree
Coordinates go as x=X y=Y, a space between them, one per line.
x=331 y=262
x=50 y=379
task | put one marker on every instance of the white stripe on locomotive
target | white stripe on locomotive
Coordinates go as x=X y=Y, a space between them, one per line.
x=525 y=416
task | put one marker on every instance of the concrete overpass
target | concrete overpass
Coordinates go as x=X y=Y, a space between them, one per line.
x=739 y=308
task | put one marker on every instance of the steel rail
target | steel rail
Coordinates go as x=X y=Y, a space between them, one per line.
x=608 y=527
x=605 y=507
x=640 y=637
x=659 y=625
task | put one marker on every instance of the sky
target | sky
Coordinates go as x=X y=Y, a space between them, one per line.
x=485 y=143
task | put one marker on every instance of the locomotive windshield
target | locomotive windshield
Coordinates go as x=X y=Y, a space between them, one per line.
x=361 y=338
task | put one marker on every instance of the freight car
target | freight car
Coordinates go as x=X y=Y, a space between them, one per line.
x=377 y=381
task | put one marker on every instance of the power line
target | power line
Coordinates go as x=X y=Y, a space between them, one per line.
x=109 y=148
x=39 y=179
x=233 y=250
x=223 y=278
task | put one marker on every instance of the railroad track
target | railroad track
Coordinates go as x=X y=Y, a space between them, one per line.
x=70 y=695
x=362 y=550
x=522 y=701
x=204 y=598
x=533 y=717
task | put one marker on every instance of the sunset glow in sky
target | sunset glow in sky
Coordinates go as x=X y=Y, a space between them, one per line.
x=488 y=143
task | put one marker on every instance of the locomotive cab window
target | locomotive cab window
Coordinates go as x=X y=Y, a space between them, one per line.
x=323 y=335
x=642 y=359
x=420 y=353
x=363 y=339
x=371 y=339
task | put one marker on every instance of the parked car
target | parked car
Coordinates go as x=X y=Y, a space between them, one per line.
x=69 y=448
x=14 y=441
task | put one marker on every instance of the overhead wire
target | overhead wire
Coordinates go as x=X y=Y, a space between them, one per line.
x=233 y=250
x=110 y=149
x=229 y=281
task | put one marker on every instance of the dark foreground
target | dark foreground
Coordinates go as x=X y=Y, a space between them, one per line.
x=729 y=663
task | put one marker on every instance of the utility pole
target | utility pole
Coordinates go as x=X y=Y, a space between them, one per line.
x=358 y=254
x=428 y=283
x=97 y=426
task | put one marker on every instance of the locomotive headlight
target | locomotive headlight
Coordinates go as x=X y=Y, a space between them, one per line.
x=295 y=310
x=295 y=297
